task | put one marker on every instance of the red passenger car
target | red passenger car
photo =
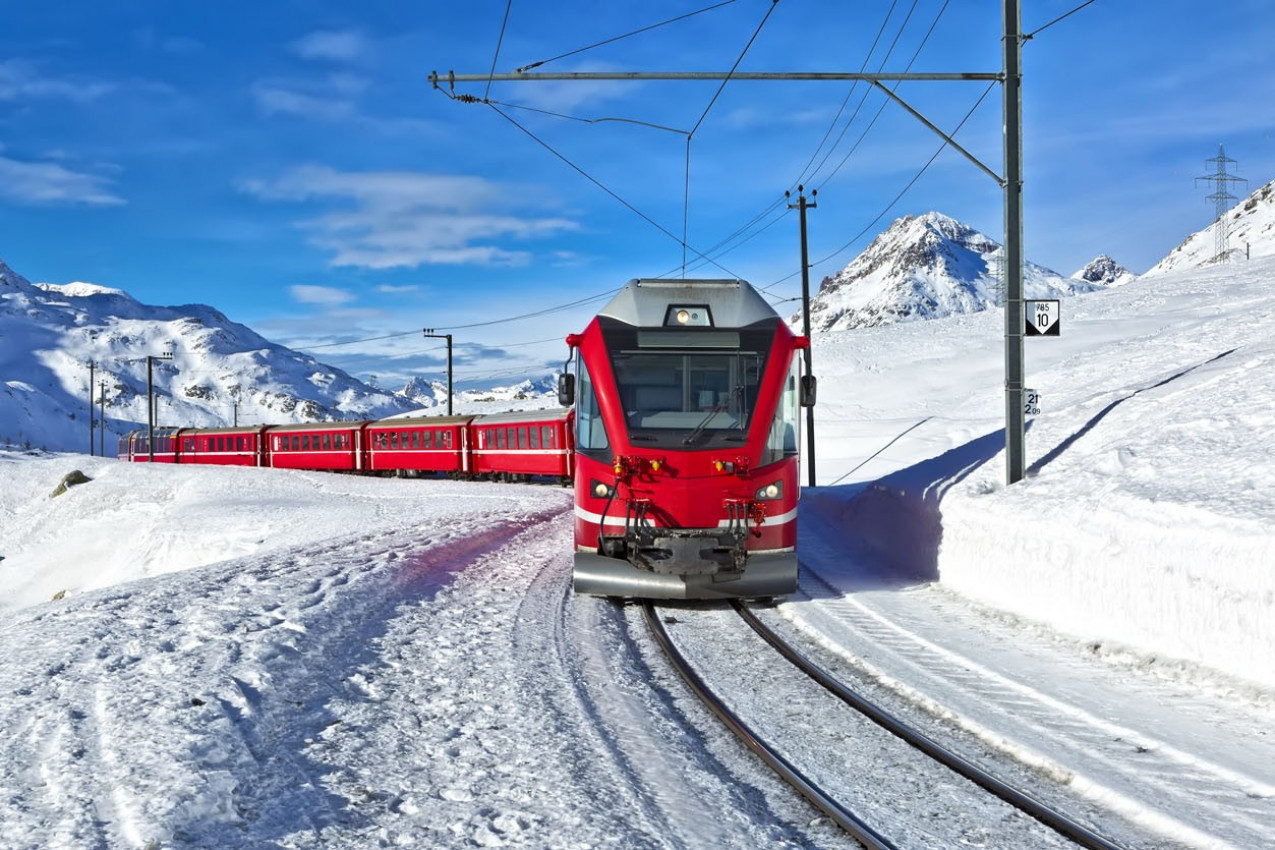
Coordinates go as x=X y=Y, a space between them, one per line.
x=323 y=445
x=136 y=447
x=226 y=446
x=421 y=444
x=522 y=445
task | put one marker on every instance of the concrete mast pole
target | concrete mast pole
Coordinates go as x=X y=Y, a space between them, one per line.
x=1015 y=416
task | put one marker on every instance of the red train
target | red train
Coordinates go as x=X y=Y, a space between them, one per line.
x=687 y=395
x=505 y=447
x=681 y=436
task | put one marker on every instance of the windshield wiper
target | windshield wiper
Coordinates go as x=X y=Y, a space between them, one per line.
x=699 y=429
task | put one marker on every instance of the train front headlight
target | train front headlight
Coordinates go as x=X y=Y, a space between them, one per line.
x=600 y=489
x=770 y=492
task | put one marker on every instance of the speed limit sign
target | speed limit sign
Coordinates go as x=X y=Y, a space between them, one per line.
x=1042 y=318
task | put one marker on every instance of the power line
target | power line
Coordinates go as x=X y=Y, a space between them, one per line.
x=621 y=37
x=1038 y=30
x=499 y=41
x=893 y=201
x=586 y=175
x=686 y=191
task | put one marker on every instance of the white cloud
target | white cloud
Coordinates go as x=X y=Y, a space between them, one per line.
x=326 y=296
x=398 y=290
x=405 y=219
x=50 y=184
x=332 y=45
x=20 y=80
x=275 y=99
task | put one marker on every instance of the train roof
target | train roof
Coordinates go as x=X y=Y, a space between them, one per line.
x=546 y=414
x=225 y=429
x=645 y=302
x=320 y=426
x=419 y=421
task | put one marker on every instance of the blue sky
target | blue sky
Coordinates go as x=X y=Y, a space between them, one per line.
x=289 y=163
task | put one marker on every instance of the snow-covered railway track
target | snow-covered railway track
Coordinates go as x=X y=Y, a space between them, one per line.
x=1021 y=800
x=883 y=783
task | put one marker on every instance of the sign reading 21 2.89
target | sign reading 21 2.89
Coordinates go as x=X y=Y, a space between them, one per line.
x=1043 y=318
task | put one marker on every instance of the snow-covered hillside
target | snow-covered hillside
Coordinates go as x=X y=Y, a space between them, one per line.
x=219 y=370
x=1250 y=230
x=309 y=660
x=923 y=268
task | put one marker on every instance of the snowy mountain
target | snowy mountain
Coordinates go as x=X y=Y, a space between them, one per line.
x=923 y=268
x=524 y=395
x=1250 y=231
x=219 y=372
x=1104 y=271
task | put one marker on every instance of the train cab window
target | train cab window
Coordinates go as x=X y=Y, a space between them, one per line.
x=781 y=441
x=591 y=435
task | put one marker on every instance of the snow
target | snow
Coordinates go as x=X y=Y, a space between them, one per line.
x=242 y=657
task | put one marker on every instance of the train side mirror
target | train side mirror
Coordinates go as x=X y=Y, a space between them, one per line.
x=566 y=389
x=808 y=387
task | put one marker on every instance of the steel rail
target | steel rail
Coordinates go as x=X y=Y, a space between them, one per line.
x=1055 y=820
x=842 y=816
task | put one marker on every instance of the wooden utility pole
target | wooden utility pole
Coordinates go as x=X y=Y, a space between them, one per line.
x=802 y=205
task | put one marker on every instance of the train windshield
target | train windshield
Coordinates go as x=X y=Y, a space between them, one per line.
x=688 y=390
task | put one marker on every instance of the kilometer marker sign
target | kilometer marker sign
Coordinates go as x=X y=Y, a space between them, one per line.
x=1043 y=318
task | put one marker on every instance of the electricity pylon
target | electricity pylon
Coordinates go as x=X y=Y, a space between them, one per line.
x=1222 y=200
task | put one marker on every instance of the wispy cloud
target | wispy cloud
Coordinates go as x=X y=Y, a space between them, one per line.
x=279 y=99
x=325 y=296
x=406 y=219
x=332 y=46
x=51 y=184
x=398 y=290
x=21 y=80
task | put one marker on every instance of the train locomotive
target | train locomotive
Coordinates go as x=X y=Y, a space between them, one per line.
x=687 y=396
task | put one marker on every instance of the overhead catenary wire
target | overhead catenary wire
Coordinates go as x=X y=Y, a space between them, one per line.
x=606 y=189
x=1041 y=29
x=942 y=146
x=622 y=37
x=499 y=41
x=686 y=198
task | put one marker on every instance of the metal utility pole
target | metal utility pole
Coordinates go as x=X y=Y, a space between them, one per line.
x=1222 y=201
x=92 y=424
x=1015 y=317
x=150 y=401
x=101 y=419
x=429 y=334
x=802 y=205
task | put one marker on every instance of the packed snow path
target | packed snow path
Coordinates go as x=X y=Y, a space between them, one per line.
x=437 y=689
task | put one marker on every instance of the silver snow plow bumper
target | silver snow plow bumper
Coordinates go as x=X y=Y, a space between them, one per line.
x=764 y=574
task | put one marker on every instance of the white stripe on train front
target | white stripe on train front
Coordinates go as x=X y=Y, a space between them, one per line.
x=614 y=519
